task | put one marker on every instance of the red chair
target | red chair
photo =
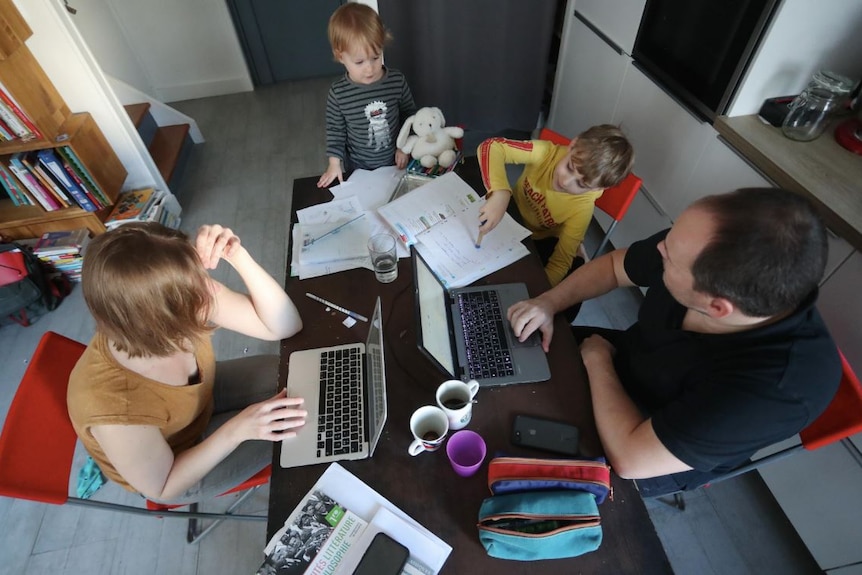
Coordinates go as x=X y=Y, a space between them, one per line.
x=38 y=443
x=615 y=201
x=842 y=418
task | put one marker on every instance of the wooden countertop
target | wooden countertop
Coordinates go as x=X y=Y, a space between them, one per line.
x=823 y=170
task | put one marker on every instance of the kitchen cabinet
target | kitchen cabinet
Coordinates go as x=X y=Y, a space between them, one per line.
x=589 y=79
x=617 y=19
x=668 y=140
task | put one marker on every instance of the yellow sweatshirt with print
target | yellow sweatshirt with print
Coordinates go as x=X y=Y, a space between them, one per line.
x=545 y=211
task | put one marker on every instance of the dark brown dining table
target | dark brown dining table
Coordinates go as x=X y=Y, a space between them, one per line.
x=425 y=486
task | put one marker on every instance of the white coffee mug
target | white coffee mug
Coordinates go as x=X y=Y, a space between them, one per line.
x=429 y=427
x=455 y=398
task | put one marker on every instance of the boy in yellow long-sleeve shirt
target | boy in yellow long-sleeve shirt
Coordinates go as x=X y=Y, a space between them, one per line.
x=558 y=188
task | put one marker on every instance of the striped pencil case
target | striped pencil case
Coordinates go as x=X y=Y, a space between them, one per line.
x=523 y=474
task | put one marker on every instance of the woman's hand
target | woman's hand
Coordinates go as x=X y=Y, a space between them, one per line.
x=494 y=209
x=215 y=242
x=271 y=420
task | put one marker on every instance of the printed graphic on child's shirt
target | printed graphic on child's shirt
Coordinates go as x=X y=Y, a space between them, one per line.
x=378 y=126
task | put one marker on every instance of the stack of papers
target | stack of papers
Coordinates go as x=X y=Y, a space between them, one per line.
x=441 y=218
x=345 y=247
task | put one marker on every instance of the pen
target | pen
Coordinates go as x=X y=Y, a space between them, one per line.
x=481 y=235
x=352 y=314
x=333 y=230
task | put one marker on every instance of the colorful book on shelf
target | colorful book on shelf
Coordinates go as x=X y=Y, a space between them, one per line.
x=48 y=184
x=75 y=163
x=74 y=175
x=45 y=199
x=5 y=133
x=10 y=102
x=49 y=160
x=131 y=206
x=10 y=184
x=16 y=126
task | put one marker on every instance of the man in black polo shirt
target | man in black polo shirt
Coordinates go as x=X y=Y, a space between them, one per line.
x=728 y=355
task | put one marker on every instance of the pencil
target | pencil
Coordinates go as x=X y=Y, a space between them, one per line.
x=352 y=314
x=479 y=240
x=335 y=229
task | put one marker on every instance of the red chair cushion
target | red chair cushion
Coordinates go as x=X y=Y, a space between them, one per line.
x=843 y=416
x=38 y=441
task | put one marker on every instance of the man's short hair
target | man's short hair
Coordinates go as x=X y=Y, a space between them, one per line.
x=147 y=289
x=767 y=253
x=355 y=25
x=603 y=155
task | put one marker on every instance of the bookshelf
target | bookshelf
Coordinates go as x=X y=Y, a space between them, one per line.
x=28 y=84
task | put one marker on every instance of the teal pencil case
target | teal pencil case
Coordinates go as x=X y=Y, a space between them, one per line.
x=535 y=525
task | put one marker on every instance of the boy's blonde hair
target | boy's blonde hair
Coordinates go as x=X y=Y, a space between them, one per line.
x=603 y=156
x=359 y=26
x=147 y=289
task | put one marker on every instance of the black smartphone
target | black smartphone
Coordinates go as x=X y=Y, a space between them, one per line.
x=385 y=556
x=546 y=434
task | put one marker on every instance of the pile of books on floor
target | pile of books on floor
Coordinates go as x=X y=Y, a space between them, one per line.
x=63 y=251
x=51 y=178
x=146 y=205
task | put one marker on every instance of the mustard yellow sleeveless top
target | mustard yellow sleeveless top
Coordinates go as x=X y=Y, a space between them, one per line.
x=103 y=392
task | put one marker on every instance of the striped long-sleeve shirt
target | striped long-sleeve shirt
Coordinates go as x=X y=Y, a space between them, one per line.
x=362 y=120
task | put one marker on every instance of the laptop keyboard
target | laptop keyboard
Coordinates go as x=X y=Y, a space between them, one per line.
x=488 y=353
x=339 y=424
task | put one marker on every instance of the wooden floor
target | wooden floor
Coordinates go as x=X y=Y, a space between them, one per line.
x=257 y=143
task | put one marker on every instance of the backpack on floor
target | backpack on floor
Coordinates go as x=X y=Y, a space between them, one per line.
x=28 y=287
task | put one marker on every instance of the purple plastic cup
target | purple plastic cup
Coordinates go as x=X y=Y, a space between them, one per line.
x=466 y=450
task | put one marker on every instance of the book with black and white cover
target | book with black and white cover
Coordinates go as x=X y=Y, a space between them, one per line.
x=314 y=539
x=363 y=513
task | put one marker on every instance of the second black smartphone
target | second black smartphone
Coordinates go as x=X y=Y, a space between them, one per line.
x=546 y=434
x=384 y=556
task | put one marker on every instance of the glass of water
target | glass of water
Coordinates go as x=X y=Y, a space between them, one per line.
x=384 y=259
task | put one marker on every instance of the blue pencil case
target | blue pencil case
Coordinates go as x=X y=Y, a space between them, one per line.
x=538 y=525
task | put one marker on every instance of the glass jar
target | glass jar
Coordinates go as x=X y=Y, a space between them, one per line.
x=809 y=114
x=834 y=82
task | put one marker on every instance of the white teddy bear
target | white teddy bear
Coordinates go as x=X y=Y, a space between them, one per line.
x=431 y=143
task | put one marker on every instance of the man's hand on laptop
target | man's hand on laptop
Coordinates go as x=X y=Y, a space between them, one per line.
x=529 y=315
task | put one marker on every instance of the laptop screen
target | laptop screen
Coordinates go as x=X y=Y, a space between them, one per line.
x=433 y=315
x=376 y=378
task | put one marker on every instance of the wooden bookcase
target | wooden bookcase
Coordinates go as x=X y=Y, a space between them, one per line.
x=24 y=78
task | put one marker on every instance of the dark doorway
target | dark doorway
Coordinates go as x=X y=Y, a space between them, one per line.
x=285 y=39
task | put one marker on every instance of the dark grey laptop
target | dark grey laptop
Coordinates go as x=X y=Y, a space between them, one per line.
x=465 y=331
x=344 y=388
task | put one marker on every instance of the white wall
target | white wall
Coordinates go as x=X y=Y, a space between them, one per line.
x=105 y=36
x=804 y=36
x=183 y=50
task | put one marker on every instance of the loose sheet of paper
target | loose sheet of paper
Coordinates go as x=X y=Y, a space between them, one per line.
x=373 y=188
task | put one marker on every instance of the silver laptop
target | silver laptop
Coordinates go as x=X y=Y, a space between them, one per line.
x=344 y=388
x=466 y=333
